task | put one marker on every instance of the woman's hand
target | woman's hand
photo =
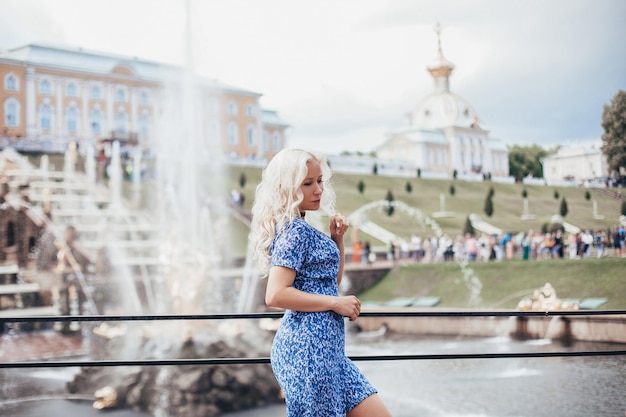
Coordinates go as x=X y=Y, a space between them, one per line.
x=347 y=306
x=338 y=226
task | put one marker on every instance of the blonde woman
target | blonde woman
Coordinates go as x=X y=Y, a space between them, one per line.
x=304 y=267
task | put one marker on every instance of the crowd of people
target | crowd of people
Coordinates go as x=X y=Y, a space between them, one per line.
x=530 y=245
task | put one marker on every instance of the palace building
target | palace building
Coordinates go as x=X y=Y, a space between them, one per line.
x=443 y=136
x=51 y=96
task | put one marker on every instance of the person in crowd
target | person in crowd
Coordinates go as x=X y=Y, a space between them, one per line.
x=600 y=241
x=356 y=251
x=557 y=246
x=471 y=247
x=587 y=241
x=416 y=248
x=304 y=267
x=618 y=240
x=367 y=252
x=572 y=245
x=546 y=246
x=525 y=245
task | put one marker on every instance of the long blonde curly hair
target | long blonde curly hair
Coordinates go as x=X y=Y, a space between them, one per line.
x=278 y=197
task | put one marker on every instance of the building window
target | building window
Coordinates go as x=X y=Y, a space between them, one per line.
x=121 y=121
x=10 y=82
x=232 y=108
x=143 y=97
x=44 y=87
x=232 y=133
x=264 y=144
x=45 y=116
x=250 y=110
x=250 y=135
x=144 y=125
x=275 y=142
x=11 y=112
x=72 y=119
x=96 y=121
x=70 y=90
x=95 y=92
x=120 y=95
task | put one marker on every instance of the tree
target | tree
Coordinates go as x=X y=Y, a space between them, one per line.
x=452 y=189
x=623 y=211
x=455 y=173
x=389 y=199
x=361 y=186
x=556 y=194
x=563 y=209
x=469 y=228
x=409 y=187
x=587 y=195
x=488 y=206
x=491 y=192
x=614 y=136
x=524 y=193
x=375 y=169
x=526 y=160
x=419 y=173
x=242 y=180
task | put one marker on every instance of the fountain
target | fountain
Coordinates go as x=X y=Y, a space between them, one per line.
x=442 y=208
x=526 y=215
x=169 y=259
x=190 y=220
x=545 y=299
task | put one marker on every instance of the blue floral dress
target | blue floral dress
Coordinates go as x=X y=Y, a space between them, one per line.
x=308 y=354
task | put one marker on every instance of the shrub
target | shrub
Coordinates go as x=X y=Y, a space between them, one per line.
x=488 y=206
x=563 y=209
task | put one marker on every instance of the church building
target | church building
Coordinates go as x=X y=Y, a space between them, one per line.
x=443 y=136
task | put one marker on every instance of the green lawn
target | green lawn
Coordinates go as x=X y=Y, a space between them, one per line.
x=505 y=283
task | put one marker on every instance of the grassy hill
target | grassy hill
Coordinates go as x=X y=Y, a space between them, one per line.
x=469 y=197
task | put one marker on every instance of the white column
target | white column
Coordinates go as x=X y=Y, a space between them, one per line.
x=59 y=128
x=84 y=131
x=487 y=156
x=109 y=106
x=133 y=111
x=31 y=103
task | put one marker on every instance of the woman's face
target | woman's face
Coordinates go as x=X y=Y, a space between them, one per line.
x=312 y=187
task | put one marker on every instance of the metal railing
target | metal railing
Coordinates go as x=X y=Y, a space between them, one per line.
x=278 y=315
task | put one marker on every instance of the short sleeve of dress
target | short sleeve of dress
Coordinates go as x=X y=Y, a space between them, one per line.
x=290 y=246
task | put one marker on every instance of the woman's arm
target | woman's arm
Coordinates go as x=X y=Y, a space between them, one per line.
x=280 y=293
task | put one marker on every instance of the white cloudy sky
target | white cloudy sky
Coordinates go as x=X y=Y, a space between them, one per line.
x=344 y=72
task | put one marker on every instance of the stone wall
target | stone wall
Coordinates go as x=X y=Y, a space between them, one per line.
x=567 y=328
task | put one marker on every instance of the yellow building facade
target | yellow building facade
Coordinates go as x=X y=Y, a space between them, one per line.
x=51 y=96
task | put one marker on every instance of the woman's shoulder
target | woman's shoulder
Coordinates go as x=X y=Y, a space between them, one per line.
x=297 y=226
